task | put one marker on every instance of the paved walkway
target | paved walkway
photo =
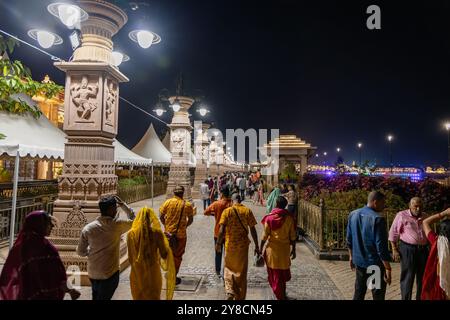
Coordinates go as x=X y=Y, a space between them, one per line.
x=311 y=279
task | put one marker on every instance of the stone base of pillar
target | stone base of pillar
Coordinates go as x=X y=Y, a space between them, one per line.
x=201 y=174
x=179 y=175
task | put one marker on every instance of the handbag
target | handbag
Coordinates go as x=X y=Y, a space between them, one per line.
x=172 y=237
x=258 y=259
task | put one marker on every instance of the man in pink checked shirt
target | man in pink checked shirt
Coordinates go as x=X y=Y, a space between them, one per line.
x=410 y=247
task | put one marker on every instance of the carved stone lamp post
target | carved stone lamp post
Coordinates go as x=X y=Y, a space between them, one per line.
x=180 y=146
x=202 y=154
x=91 y=120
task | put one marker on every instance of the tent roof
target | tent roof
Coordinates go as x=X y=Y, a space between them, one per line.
x=150 y=146
x=31 y=137
x=125 y=156
x=39 y=138
x=166 y=140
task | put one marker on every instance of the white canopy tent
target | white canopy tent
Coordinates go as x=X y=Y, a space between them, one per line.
x=150 y=146
x=39 y=138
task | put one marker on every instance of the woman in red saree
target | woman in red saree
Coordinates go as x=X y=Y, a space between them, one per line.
x=33 y=269
x=279 y=232
x=436 y=279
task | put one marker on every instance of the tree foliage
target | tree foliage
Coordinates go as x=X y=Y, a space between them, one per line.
x=15 y=79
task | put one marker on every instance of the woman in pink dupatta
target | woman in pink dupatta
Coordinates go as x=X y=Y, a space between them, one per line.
x=279 y=233
x=33 y=269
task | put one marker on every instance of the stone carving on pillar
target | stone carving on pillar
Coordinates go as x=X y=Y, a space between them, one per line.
x=84 y=97
x=179 y=141
x=90 y=123
x=111 y=102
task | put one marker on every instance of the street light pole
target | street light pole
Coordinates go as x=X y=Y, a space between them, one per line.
x=360 y=154
x=390 y=138
x=447 y=126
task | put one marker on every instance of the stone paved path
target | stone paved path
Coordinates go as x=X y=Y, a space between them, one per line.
x=311 y=279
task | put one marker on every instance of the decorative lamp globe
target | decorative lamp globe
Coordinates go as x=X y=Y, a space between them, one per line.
x=144 y=38
x=45 y=38
x=70 y=15
x=176 y=105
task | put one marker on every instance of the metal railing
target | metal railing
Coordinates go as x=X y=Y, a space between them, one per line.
x=21 y=213
x=45 y=202
x=327 y=227
x=131 y=194
x=28 y=189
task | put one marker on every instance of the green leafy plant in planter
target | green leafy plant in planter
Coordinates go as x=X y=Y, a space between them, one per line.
x=288 y=173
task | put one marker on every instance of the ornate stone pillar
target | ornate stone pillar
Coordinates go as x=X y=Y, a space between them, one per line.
x=180 y=147
x=91 y=118
x=213 y=170
x=202 y=154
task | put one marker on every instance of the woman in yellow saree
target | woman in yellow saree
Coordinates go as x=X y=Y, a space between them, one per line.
x=148 y=253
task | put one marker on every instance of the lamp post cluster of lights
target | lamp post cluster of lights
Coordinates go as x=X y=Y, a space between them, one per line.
x=71 y=16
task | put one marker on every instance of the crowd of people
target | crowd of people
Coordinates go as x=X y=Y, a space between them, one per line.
x=34 y=270
x=424 y=254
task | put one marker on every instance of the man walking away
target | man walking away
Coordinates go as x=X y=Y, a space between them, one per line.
x=100 y=242
x=235 y=223
x=216 y=209
x=242 y=185
x=176 y=215
x=367 y=242
x=204 y=193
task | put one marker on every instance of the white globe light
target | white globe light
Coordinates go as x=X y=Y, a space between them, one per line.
x=159 y=112
x=145 y=39
x=45 y=39
x=69 y=15
x=203 y=112
x=176 y=106
x=117 y=58
x=447 y=126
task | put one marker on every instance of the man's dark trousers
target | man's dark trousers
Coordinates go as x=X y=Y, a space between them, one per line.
x=361 y=284
x=413 y=262
x=104 y=289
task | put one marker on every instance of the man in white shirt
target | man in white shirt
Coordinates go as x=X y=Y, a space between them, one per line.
x=204 y=193
x=100 y=242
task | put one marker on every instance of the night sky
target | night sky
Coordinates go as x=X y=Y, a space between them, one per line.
x=311 y=68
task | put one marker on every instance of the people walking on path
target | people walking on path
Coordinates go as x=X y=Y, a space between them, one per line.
x=272 y=198
x=259 y=199
x=33 y=269
x=410 y=247
x=148 y=253
x=279 y=234
x=216 y=209
x=176 y=215
x=234 y=226
x=204 y=194
x=100 y=242
x=242 y=184
x=367 y=242
x=436 y=280
x=292 y=198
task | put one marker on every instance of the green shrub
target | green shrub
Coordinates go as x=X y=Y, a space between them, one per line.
x=354 y=199
x=135 y=181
